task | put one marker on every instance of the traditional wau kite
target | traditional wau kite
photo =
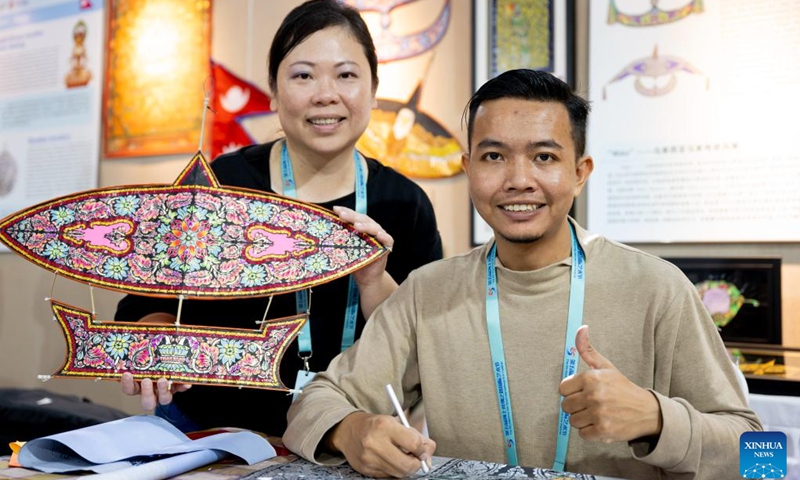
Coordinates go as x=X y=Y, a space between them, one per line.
x=191 y=239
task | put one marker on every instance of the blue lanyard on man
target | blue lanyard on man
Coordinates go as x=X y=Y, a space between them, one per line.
x=574 y=320
x=301 y=298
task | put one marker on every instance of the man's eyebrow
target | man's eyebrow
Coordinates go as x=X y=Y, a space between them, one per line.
x=490 y=143
x=545 y=144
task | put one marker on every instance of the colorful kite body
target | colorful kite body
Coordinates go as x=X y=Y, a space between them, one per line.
x=190 y=240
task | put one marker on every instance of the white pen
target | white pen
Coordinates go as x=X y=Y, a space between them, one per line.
x=403 y=419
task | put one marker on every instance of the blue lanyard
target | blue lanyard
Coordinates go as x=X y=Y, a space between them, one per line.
x=574 y=320
x=301 y=298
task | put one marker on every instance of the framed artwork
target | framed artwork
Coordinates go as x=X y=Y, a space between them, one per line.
x=158 y=60
x=537 y=34
x=534 y=34
x=743 y=295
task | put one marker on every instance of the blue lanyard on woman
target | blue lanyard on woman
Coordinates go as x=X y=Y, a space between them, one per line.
x=301 y=298
x=574 y=320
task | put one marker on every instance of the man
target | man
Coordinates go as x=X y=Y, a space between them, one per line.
x=493 y=348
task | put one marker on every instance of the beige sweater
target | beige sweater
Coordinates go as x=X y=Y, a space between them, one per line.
x=429 y=339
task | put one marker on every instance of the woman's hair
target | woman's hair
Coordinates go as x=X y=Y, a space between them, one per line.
x=311 y=17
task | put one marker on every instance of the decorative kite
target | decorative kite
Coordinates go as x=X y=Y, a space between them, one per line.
x=409 y=140
x=654 y=16
x=391 y=47
x=399 y=134
x=191 y=239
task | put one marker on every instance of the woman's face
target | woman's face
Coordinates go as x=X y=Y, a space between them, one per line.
x=324 y=93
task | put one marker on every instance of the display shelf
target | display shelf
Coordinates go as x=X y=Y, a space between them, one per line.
x=768 y=369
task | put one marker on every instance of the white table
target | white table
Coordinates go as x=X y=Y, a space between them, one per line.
x=781 y=413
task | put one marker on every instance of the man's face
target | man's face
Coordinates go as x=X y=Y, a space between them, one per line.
x=522 y=168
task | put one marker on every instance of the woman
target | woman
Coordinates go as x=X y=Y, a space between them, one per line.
x=323 y=77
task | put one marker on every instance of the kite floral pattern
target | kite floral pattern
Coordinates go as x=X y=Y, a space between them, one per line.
x=190 y=240
x=202 y=355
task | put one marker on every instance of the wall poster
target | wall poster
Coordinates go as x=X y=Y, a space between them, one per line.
x=692 y=128
x=508 y=34
x=51 y=59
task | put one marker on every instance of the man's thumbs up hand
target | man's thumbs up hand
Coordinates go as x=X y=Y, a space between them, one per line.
x=589 y=355
x=603 y=404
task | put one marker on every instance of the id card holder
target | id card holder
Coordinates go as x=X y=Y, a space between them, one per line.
x=303 y=377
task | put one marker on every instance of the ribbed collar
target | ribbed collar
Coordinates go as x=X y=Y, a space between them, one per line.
x=531 y=281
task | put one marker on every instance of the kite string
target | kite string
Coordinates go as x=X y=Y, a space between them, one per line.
x=180 y=309
x=52 y=287
x=91 y=296
x=264 y=318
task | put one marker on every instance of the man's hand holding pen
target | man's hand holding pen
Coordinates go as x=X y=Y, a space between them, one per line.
x=379 y=445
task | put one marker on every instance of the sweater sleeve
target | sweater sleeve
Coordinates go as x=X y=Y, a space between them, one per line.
x=386 y=353
x=703 y=407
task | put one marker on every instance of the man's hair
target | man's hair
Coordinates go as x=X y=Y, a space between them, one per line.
x=311 y=17
x=534 y=85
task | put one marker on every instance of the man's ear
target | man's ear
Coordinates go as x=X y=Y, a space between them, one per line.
x=465 y=163
x=583 y=169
